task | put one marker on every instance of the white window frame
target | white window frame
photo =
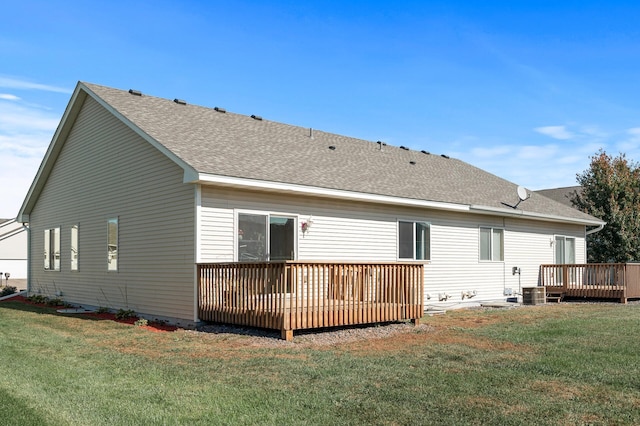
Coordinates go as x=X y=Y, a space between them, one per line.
x=268 y=214
x=491 y=229
x=564 y=239
x=115 y=255
x=51 y=245
x=413 y=243
x=74 y=245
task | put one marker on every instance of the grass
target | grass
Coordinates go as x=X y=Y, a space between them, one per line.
x=559 y=364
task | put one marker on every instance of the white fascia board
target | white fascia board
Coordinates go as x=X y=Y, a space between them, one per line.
x=532 y=215
x=68 y=117
x=262 y=185
x=188 y=170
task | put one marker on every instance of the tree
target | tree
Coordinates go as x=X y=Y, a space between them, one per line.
x=611 y=192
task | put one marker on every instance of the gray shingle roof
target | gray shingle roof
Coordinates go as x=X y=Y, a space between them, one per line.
x=561 y=195
x=235 y=145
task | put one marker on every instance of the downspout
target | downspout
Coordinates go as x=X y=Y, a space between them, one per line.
x=591 y=231
x=28 y=257
x=597 y=229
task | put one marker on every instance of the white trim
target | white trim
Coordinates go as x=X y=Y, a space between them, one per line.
x=491 y=228
x=413 y=222
x=198 y=223
x=117 y=222
x=139 y=131
x=256 y=184
x=531 y=215
x=268 y=214
x=197 y=248
x=593 y=231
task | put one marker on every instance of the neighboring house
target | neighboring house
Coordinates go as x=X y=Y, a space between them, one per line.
x=562 y=195
x=13 y=252
x=135 y=190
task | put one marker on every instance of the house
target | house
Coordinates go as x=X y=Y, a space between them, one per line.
x=562 y=195
x=13 y=253
x=135 y=191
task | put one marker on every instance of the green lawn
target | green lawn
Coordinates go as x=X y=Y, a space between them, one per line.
x=556 y=364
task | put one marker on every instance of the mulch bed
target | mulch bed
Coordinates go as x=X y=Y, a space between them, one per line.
x=153 y=326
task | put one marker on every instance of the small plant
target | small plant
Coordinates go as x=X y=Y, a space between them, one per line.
x=125 y=314
x=38 y=299
x=142 y=322
x=55 y=302
x=7 y=291
x=102 y=310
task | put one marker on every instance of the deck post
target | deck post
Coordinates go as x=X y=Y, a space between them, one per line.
x=286 y=335
x=415 y=321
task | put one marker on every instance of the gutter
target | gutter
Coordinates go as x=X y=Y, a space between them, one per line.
x=281 y=187
x=598 y=229
x=535 y=216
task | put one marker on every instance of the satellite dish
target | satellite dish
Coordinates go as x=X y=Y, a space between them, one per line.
x=522 y=193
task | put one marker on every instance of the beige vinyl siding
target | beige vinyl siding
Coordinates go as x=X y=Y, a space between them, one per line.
x=105 y=170
x=340 y=231
x=349 y=231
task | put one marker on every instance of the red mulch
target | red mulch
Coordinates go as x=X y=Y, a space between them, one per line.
x=151 y=326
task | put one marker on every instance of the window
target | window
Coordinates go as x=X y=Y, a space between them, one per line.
x=565 y=249
x=263 y=237
x=74 y=248
x=112 y=244
x=52 y=249
x=414 y=241
x=492 y=244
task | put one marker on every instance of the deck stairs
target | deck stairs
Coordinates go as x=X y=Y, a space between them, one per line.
x=554 y=295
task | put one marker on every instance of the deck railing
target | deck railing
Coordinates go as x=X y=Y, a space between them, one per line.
x=593 y=280
x=291 y=295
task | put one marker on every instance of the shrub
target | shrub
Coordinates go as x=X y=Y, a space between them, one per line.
x=102 y=310
x=141 y=322
x=125 y=314
x=38 y=298
x=7 y=291
x=55 y=302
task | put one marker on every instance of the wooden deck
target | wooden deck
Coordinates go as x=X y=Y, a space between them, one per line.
x=619 y=281
x=294 y=295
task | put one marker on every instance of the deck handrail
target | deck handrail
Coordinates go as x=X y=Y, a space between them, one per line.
x=290 y=295
x=597 y=280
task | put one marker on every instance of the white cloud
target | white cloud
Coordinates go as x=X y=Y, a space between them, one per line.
x=556 y=132
x=16 y=118
x=9 y=97
x=634 y=132
x=13 y=83
x=25 y=133
x=16 y=176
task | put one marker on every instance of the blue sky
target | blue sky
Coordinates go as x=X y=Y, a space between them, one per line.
x=526 y=90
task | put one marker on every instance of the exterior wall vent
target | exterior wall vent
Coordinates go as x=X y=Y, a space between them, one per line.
x=135 y=92
x=256 y=117
x=220 y=109
x=180 y=101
